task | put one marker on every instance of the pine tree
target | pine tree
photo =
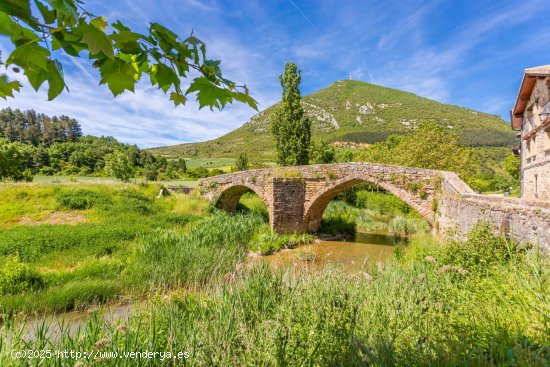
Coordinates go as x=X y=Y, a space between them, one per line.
x=290 y=128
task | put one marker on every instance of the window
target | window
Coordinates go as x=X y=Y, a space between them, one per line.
x=536 y=186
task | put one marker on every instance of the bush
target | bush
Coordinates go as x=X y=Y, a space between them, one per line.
x=481 y=250
x=17 y=276
x=80 y=199
x=199 y=172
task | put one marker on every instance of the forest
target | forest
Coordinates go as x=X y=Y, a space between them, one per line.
x=32 y=143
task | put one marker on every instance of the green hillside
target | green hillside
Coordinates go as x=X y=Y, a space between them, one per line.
x=357 y=112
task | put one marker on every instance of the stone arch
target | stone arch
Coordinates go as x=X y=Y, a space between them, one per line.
x=316 y=205
x=229 y=197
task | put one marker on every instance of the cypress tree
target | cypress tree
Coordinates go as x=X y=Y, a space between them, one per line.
x=291 y=128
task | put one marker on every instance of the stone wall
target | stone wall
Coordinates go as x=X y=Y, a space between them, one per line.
x=459 y=209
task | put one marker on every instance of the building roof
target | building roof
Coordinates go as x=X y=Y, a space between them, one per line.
x=527 y=84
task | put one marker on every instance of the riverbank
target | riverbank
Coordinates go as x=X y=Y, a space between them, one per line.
x=418 y=308
x=481 y=302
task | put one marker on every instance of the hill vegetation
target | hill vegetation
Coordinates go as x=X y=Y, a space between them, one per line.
x=357 y=112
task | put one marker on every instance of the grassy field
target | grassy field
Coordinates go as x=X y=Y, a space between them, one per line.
x=88 y=180
x=484 y=301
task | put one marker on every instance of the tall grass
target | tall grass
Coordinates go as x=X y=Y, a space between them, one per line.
x=208 y=249
x=404 y=313
x=82 y=264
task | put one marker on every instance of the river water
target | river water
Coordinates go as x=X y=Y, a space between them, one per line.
x=353 y=254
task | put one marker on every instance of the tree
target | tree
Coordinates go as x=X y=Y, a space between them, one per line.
x=322 y=152
x=512 y=166
x=123 y=57
x=12 y=162
x=118 y=165
x=430 y=146
x=242 y=162
x=291 y=129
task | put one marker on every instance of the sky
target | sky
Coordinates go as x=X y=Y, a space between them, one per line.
x=470 y=53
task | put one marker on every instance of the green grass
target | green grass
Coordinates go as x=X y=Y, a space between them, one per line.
x=93 y=254
x=371 y=211
x=89 y=180
x=407 y=312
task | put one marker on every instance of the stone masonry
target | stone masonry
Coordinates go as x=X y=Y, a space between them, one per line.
x=296 y=198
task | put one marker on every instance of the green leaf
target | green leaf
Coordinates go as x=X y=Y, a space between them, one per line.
x=7 y=87
x=97 y=42
x=19 y=35
x=47 y=13
x=7 y=26
x=209 y=94
x=29 y=56
x=55 y=79
x=66 y=7
x=127 y=41
x=165 y=77
x=118 y=76
x=193 y=40
x=36 y=76
x=68 y=42
x=100 y=23
x=178 y=98
x=120 y=27
x=245 y=98
x=20 y=9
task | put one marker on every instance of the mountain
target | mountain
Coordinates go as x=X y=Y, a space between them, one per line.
x=357 y=112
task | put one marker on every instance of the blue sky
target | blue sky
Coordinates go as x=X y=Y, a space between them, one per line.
x=463 y=52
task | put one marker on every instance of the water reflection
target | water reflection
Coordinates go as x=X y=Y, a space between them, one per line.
x=364 y=248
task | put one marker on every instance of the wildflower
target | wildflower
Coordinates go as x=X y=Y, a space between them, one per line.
x=462 y=271
x=421 y=277
x=102 y=343
x=121 y=328
x=444 y=269
x=430 y=259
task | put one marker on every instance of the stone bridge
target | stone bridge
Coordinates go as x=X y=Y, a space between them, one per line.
x=296 y=197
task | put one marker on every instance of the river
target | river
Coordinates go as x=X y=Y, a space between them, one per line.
x=353 y=254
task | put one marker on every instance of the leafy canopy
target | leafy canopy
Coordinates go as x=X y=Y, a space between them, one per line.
x=123 y=56
x=430 y=146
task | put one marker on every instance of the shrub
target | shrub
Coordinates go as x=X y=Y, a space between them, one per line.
x=80 y=199
x=17 y=276
x=481 y=250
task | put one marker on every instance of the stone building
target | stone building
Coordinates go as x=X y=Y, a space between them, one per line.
x=531 y=116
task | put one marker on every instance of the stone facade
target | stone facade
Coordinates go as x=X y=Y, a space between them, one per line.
x=296 y=198
x=533 y=98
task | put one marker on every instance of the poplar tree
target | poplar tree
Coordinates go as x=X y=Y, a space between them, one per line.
x=291 y=128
